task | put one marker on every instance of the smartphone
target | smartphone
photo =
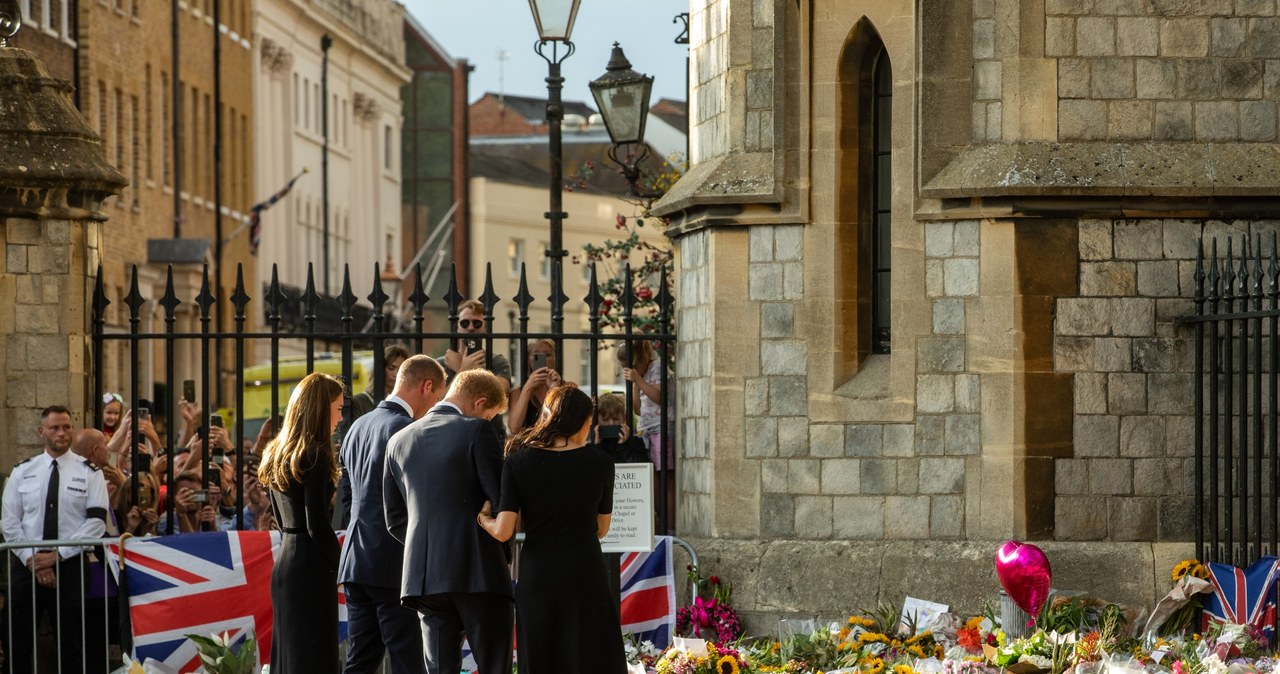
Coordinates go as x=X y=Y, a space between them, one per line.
x=144 y=413
x=189 y=390
x=216 y=420
x=146 y=497
x=610 y=432
x=200 y=496
x=539 y=360
x=144 y=463
x=218 y=455
x=471 y=344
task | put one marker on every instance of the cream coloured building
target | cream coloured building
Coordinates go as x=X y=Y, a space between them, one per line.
x=365 y=74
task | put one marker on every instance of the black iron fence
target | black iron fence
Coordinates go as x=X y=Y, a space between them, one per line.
x=1237 y=401
x=309 y=319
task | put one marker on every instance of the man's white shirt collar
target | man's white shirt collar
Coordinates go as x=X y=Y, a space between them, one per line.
x=446 y=402
x=393 y=398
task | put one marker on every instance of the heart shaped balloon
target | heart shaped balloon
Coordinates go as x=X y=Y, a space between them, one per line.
x=1025 y=574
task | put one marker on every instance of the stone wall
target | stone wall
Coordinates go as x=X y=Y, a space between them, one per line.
x=1169 y=70
x=693 y=371
x=1132 y=473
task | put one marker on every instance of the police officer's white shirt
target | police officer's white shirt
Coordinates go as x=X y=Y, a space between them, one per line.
x=82 y=502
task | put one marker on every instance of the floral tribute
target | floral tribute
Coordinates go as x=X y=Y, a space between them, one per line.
x=1071 y=635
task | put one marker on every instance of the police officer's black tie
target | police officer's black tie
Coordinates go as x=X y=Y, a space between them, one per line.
x=51 y=506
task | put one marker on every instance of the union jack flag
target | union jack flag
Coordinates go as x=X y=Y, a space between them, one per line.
x=649 y=594
x=200 y=583
x=1244 y=596
x=255 y=213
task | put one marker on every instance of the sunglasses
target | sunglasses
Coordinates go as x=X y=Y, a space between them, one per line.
x=468 y=323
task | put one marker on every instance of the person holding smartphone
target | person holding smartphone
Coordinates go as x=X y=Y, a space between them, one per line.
x=526 y=400
x=612 y=435
x=470 y=354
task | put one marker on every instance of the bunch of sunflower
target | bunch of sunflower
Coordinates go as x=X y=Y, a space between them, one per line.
x=1189 y=567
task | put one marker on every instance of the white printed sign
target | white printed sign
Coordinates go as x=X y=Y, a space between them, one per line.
x=632 y=527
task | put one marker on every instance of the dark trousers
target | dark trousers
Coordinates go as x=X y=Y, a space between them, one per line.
x=379 y=624
x=64 y=609
x=487 y=619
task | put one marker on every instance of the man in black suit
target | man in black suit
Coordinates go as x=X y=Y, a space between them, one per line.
x=440 y=471
x=370 y=567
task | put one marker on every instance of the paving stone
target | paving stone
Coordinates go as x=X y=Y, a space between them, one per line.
x=1090 y=393
x=1142 y=436
x=841 y=476
x=863 y=440
x=1137 y=36
x=1096 y=435
x=1114 y=279
x=963 y=435
x=826 y=440
x=1126 y=393
x=1095 y=36
x=941 y=476
x=1111 y=477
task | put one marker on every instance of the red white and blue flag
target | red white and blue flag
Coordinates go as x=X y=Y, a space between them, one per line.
x=649 y=594
x=202 y=583
x=255 y=212
x=1244 y=596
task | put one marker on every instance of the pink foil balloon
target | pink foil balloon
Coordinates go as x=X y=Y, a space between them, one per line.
x=1025 y=574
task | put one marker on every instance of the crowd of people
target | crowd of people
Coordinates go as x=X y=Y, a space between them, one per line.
x=430 y=483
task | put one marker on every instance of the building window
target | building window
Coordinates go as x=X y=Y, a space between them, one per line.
x=149 y=126
x=296 y=107
x=163 y=134
x=135 y=142
x=882 y=205
x=119 y=113
x=544 y=264
x=386 y=147
x=515 y=257
x=864 y=209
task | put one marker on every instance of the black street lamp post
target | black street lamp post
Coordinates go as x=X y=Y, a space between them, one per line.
x=622 y=94
x=554 y=19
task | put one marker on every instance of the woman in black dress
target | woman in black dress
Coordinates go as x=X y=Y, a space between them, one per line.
x=301 y=472
x=566 y=620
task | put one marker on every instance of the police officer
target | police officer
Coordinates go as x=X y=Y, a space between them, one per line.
x=53 y=495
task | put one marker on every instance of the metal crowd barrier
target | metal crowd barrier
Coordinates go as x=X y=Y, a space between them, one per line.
x=82 y=621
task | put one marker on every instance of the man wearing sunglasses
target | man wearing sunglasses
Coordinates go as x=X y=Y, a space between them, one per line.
x=469 y=354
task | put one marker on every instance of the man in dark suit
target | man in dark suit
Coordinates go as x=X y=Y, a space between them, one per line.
x=440 y=471
x=370 y=567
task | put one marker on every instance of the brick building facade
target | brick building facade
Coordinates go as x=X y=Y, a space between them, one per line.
x=931 y=261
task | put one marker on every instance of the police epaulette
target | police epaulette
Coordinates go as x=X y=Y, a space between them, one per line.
x=25 y=460
x=92 y=465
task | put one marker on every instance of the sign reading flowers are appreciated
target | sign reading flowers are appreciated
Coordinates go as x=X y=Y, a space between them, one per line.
x=631 y=529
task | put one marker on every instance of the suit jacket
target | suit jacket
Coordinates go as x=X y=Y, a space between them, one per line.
x=439 y=471
x=370 y=555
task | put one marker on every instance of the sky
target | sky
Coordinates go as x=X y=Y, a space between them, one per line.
x=478 y=30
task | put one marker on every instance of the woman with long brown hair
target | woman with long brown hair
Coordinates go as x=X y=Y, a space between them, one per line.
x=301 y=471
x=563 y=492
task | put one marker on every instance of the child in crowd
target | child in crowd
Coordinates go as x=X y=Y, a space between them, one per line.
x=612 y=433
